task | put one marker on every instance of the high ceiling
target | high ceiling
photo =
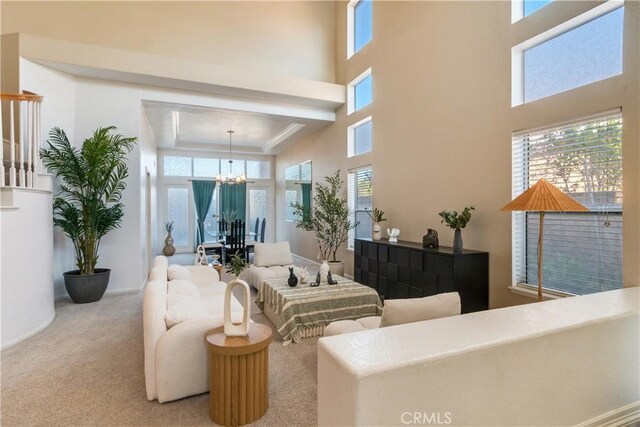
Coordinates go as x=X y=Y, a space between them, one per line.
x=191 y=127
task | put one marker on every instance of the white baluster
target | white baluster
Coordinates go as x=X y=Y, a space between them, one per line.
x=30 y=140
x=2 y=182
x=36 y=147
x=12 y=141
x=23 y=132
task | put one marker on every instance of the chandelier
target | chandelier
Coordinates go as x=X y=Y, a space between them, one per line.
x=230 y=178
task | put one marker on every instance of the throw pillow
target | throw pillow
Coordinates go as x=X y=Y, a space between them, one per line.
x=181 y=308
x=183 y=287
x=268 y=254
x=400 y=311
x=178 y=272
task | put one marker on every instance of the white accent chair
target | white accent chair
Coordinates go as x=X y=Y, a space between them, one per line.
x=270 y=261
x=401 y=311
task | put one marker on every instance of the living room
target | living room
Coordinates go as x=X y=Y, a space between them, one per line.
x=444 y=106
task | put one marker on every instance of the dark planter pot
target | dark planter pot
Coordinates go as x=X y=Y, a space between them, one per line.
x=87 y=288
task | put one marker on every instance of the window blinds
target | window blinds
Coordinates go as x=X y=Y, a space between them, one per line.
x=360 y=203
x=582 y=251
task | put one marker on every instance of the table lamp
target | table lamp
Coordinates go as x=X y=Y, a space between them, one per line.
x=543 y=197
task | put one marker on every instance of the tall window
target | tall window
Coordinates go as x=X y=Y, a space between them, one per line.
x=360 y=203
x=359 y=25
x=583 y=50
x=582 y=251
x=359 y=138
x=359 y=92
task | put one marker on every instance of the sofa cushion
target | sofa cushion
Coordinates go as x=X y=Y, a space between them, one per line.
x=179 y=272
x=400 y=311
x=371 y=322
x=268 y=254
x=161 y=261
x=181 y=308
x=183 y=287
x=343 y=327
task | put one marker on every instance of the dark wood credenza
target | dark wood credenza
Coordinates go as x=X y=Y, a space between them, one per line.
x=407 y=270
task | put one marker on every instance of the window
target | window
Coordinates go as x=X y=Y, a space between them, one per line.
x=531 y=6
x=582 y=251
x=258 y=169
x=360 y=203
x=258 y=207
x=178 y=212
x=206 y=168
x=359 y=138
x=583 y=50
x=291 y=197
x=359 y=92
x=523 y=8
x=360 y=23
x=237 y=167
x=176 y=166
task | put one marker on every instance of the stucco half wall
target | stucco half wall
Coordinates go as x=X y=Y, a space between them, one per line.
x=558 y=362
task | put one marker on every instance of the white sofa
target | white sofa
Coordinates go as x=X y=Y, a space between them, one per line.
x=401 y=311
x=270 y=261
x=175 y=358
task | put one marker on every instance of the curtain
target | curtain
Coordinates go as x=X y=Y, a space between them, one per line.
x=306 y=201
x=202 y=197
x=233 y=197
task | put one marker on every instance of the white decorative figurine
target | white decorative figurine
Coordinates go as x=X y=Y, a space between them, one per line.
x=304 y=275
x=242 y=329
x=393 y=235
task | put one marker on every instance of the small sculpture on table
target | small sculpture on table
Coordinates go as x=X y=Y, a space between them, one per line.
x=304 y=275
x=235 y=268
x=430 y=240
x=393 y=235
x=317 y=282
x=292 y=281
x=330 y=279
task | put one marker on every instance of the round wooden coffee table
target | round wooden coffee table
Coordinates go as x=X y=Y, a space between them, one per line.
x=239 y=376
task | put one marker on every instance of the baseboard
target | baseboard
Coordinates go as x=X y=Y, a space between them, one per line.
x=108 y=292
x=307 y=259
x=29 y=334
x=625 y=416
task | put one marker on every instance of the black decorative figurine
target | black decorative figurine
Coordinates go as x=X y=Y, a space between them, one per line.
x=430 y=240
x=330 y=279
x=293 y=280
x=317 y=282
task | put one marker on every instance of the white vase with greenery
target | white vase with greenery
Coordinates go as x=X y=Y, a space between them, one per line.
x=377 y=216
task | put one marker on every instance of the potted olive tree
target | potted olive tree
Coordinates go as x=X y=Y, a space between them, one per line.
x=87 y=205
x=329 y=221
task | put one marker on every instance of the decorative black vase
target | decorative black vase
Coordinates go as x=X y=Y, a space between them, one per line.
x=457 y=240
x=292 y=280
x=87 y=288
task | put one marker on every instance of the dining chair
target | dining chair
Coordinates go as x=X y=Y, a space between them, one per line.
x=235 y=239
x=252 y=239
x=264 y=225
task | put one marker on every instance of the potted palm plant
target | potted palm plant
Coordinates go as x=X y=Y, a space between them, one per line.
x=87 y=205
x=329 y=220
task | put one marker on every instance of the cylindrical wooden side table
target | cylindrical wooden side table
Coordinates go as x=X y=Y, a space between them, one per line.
x=239 y=376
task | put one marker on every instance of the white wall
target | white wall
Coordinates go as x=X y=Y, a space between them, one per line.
x=27 y=263
x=101 y=104
x=295 y=39
x=58 y=110
x=558 y=362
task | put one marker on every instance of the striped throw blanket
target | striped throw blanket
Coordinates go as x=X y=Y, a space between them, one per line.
x=304 y=311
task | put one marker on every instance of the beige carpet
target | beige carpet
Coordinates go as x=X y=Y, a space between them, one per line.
x=86 y=369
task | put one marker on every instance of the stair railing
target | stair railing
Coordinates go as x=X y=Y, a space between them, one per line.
x=23 y=110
